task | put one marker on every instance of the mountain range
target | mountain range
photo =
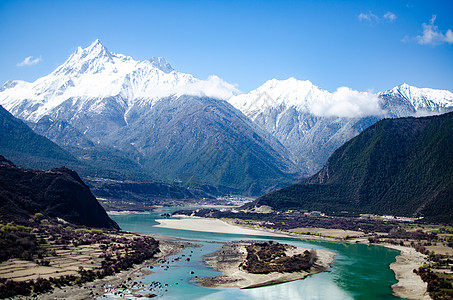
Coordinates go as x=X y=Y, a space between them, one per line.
x=311 y=123
x=143 y=119
x=401 y=167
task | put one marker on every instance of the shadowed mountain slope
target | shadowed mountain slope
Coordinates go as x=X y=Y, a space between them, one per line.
x=25 y=147
x=55 y=193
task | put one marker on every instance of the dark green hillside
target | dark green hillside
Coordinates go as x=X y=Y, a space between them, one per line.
x=399 y=167
x=57 y=193
x=19 y=143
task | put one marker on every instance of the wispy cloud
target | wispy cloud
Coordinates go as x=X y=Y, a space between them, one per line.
x=373 y=19
x=212 y=87
x=29 y=61
x=433 y=36
x=368 y=17
x=389 y=16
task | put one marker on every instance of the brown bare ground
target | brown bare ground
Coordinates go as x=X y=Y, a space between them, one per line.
x=440 y=249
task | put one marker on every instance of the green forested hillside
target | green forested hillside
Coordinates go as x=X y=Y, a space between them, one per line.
x=397 y=166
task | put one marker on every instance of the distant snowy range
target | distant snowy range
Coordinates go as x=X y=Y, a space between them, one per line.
x=145 y=120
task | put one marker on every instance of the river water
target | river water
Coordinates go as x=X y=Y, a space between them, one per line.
x=359 y=272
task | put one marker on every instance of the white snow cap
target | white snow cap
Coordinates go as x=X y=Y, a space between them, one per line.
x=307 y=97
x=95 y=72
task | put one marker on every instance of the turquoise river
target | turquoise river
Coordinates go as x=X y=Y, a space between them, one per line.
x=359 y=272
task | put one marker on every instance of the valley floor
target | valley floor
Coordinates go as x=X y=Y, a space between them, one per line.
x=409 y=285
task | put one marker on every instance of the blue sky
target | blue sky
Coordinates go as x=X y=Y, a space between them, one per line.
x=365 y=45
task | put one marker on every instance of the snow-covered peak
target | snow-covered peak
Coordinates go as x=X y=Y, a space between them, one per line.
x=420 y=98
x=96 y=44
x=95 y=49
x=92 y=59
x=306 y=97
x=274 y=93
x=96 y=73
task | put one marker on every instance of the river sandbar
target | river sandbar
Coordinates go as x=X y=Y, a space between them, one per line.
x=229 y=258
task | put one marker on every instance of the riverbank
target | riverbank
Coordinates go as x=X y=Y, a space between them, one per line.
x=229 y=259
x=229 y=227
x=409 y=285
x=124 y=284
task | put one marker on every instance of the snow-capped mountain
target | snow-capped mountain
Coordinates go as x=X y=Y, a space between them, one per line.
x=306 y=97
x=96 y=85
x=279 y=93
x=120 y=114
x=311 y=123
x=95 y=72
x=405 y=100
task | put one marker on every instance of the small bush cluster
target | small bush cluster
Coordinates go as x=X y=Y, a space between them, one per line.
x=267 y=257
x=17 y=241
x=136 y=251
x=10 y=288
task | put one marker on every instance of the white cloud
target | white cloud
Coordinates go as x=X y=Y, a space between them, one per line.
x=390 y=16
x=348 y=103
x=29 y=61
x=214 y=87
x=369 y=17
x=424 y=112
x=372 y=18
x=449 y=36
x=433 y=36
